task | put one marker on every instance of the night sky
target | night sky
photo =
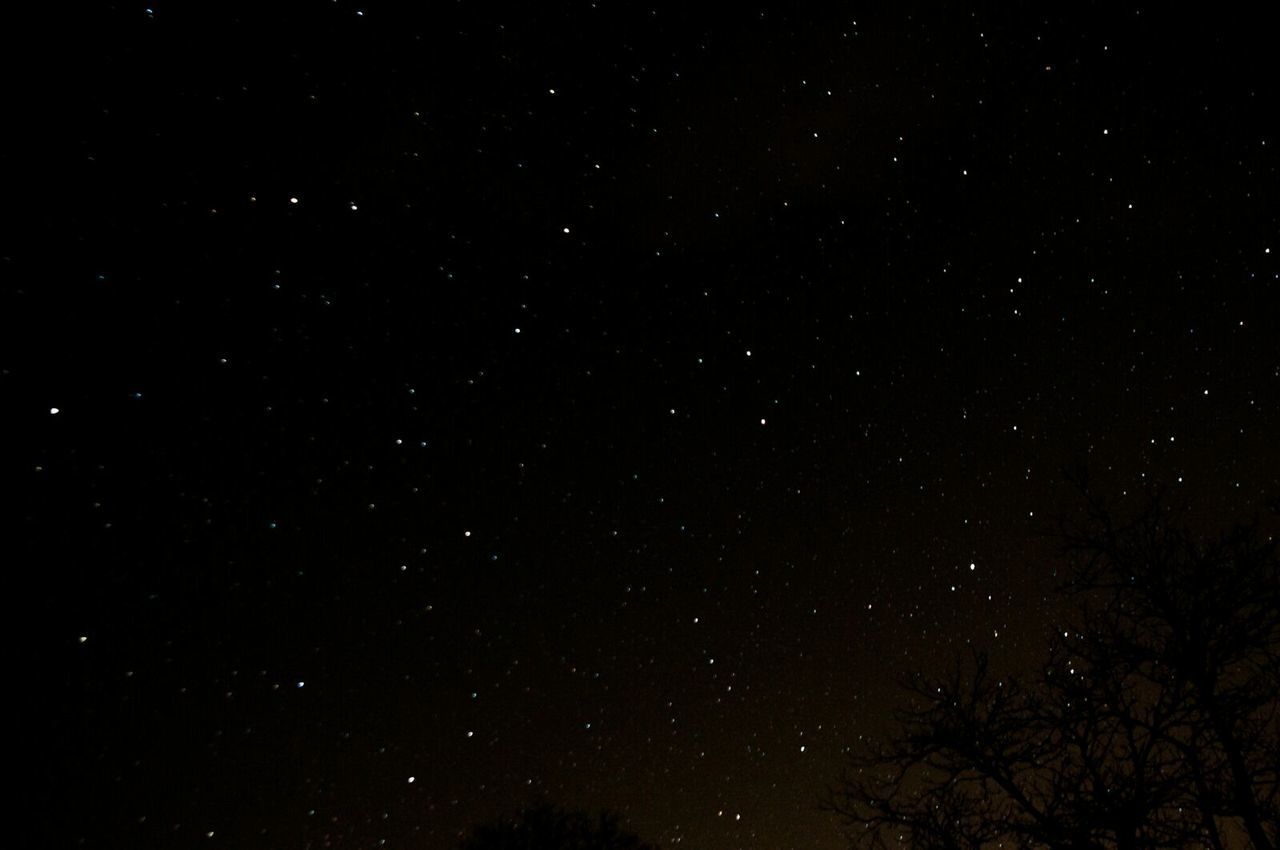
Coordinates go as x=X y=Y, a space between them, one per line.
x=425 y=408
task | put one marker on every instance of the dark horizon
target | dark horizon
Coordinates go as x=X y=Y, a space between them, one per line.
x=599 y=405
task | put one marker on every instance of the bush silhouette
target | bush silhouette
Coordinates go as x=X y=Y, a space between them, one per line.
x=547 y=827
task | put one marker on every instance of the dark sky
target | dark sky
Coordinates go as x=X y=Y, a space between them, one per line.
x=427 y=407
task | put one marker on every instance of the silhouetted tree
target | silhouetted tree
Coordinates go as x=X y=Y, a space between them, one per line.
x=1154 y=723
x=547 y=827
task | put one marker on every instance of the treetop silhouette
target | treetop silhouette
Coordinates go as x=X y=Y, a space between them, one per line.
x=1152 y=724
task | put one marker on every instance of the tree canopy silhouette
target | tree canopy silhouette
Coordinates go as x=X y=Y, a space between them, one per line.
x=548 y=827
x=1152 y=724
